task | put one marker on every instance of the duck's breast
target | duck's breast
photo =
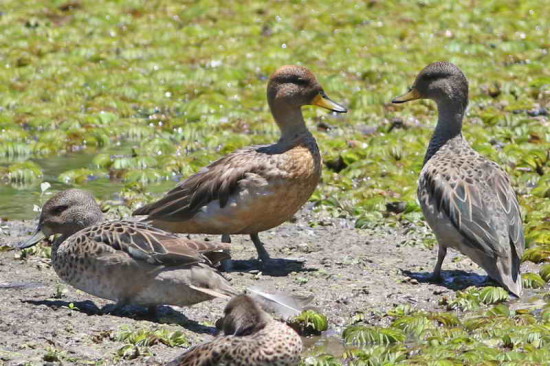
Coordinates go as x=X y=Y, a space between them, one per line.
x=97 y=269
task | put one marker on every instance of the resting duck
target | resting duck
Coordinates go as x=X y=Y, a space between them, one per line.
x=127 y=262
x=258 y=187
x=467 y=200
x=251 y=337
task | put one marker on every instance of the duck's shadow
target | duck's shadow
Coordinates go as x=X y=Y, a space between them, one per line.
x=453 y=280
x=162 y=315
x=275 y=267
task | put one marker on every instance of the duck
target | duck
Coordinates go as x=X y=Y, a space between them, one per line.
x=250 y=337
x=255 y=188
x=128 y=262
x=468 y=200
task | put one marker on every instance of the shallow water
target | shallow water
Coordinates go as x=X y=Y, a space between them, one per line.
x=330 y=342
x=17 y=202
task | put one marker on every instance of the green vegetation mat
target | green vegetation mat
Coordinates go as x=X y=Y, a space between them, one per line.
x=127 y=97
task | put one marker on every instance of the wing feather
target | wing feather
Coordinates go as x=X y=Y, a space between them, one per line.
x=218 y=181
x=483 y=209
x=145 y=243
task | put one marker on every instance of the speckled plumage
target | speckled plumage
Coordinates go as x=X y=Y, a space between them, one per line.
x=467 y=200
x=256 y=188
x=251 y=338
x=128 y=262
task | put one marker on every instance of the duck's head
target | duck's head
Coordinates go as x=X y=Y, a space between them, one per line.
x=442 y=82
x=65 y=213
x=243 y=316
x=294 y=86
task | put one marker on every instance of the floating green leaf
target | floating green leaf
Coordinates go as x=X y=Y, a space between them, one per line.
x=532 y=280
x=545 y=272
x=321 y=360
x=309 y=322
x=537 y=254
x=360 y=335
x=493 y=295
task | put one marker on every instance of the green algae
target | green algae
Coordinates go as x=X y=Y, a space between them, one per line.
x=126 y=98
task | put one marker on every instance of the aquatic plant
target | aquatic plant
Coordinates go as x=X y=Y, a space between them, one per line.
x=138 y=341
x=309 y=322
x=181 y=106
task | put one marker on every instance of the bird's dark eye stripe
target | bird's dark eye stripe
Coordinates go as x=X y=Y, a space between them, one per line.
x=294 y=80
x=435 y=75
x=60 y=208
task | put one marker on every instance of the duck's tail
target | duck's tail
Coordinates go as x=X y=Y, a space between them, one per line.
x=510 y=274
x=282 y=305
x=514 y=287
x=506 y=271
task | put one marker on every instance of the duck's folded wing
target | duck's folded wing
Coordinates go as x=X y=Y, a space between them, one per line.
x=217 y=181
x=145 y=243
x=508 y=201
x=482 y=209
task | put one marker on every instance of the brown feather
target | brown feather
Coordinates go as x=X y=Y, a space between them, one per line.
x=145 y=243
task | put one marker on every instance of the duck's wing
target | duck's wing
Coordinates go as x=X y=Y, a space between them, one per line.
x=218 y=181
x=507 y=201
x=483 y=207
x=154 y=246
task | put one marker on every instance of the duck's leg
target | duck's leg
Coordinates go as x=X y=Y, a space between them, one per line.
x=263 y=255
x=276 y=266
x=441 y=253
x=226 y=265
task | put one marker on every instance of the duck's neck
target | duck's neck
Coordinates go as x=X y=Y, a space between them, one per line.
x=55 y=245
x=290 y=121
x=449 y=125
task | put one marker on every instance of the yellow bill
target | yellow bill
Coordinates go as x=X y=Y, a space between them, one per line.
x=412 y=94
x=321 y=100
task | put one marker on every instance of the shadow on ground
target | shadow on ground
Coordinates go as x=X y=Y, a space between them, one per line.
x=276 y=267
x=453 y=280
x=162 y=315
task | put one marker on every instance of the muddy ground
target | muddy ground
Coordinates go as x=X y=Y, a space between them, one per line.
x=348 y=270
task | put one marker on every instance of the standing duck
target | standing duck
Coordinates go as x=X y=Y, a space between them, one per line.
x=467 y=200
x=251 y=337
x=127 y=262
x=258 y=187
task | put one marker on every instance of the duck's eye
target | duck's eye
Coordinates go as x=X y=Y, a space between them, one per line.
x=434 y=76
x=300 y=81
x=59 y=209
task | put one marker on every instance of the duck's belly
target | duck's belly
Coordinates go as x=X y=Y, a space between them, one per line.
x=248 y=211
x=140 y=285
x=172 y=287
